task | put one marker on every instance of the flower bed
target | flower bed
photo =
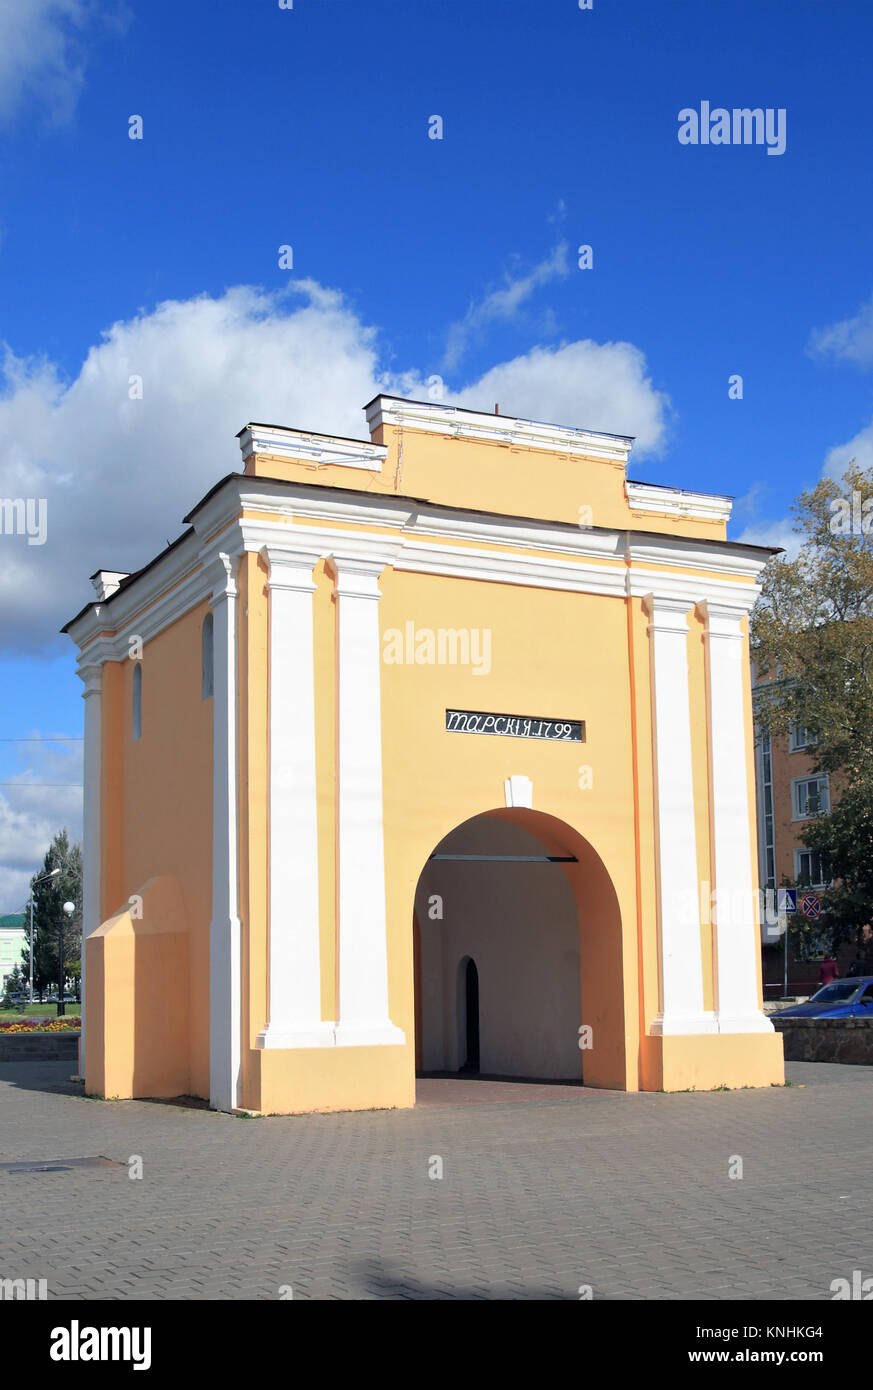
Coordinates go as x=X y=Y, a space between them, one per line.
x=40 y=1025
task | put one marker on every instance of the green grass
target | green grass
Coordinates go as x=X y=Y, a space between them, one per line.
x=73 y=1010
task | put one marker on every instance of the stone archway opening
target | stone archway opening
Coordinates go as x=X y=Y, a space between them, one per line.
x=469 y=1017
x=517 y=952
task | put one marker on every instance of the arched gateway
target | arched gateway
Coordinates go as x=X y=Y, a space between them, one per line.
x=520 y=902
x=471 y=636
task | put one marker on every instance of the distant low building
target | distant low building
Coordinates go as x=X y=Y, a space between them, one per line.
x=790 y=793
x=13 y=936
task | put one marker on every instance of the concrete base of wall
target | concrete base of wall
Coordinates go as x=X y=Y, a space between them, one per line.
x=331 y=1078
x=827 y=1039
x=39 y=1047
x=709 y=1061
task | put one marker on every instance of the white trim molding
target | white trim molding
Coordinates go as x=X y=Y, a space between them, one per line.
x=225 y=945
x=681 y=960
x=107 y=582
x=736 y=930
x=678 y=502
x=427 y=538
x=294 y=999
x=495 y=429
x=92 y=676
x=316 y=449
x=363 y=949
x=518 y=791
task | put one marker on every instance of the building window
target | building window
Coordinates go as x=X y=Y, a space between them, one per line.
x=810 y=868
x=137 y=701
x=810 y=796
x=206 y=665
x=800 y=738
x=765 y=784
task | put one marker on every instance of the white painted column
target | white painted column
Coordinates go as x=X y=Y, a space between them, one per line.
x=363 y=947
x=294 y=1004
x=225 y=1029
x=681 y=1009
x=91 y=827
x=737 y=937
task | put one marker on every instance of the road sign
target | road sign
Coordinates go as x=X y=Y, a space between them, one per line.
x=811 y=906
x=786 y=899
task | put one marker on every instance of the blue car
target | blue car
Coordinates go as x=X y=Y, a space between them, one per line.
x=852 y=998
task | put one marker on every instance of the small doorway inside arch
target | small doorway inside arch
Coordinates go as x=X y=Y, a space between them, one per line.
x=470 y=1044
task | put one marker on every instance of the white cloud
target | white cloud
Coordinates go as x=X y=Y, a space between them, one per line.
x=837 y=459
x=859 y=448
x=779 y=533
x=119 y=474
x=502 y=305
x=851 y=339
x=41 y=54
x=596 y=386
x=31 y=813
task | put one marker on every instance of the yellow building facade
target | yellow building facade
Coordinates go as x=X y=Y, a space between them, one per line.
x=433 y=752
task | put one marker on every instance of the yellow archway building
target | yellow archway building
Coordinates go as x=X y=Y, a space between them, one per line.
x=353 y=650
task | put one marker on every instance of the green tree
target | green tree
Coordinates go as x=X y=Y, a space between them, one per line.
x=812 y=639
x=15 y=983
x=845 y=839
x=48 y=900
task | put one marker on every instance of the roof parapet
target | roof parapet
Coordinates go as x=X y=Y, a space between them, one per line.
x=678 y=502
x=107 y=582
x=279 y=442
x=479 y=425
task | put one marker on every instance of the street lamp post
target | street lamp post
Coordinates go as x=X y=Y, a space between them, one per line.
x=45 y=878
x=69 y=909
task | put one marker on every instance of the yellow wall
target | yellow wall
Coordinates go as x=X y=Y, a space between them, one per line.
x=554 y=654
x=157 y=803
x=137 y=969
x=490 y=477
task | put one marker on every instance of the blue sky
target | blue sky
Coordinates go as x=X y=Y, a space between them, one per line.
x=412 y=257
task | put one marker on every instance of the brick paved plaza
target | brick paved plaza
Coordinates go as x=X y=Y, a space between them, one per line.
x=545 y=1189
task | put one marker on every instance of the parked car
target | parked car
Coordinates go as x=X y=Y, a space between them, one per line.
x=840 y=999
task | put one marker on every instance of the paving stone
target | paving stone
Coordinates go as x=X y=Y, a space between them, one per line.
x=545 y=1189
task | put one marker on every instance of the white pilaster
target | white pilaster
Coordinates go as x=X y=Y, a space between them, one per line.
x=363 y=951
x=739 y=1010
x=294 y=1005
x=681 y=972
x=91 y=856
x=225 y=1028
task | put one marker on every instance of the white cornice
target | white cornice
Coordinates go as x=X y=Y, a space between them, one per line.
x=465 y=562
x=668 y=501
x=496 y=429
x=691 y=589
x=420 y=519
x=566 y=540
x=746 y=562
x=415 y=537
x=314 y=503
x=175 y=583
x=311 y=448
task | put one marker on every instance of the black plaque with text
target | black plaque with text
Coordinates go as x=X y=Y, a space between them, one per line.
x=467 y=721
